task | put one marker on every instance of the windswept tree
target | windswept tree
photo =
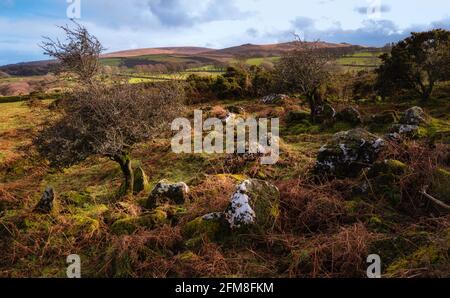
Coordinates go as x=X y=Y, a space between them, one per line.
x=416 y=63
x=79 y=53
x=304 y=70
x=109 y=121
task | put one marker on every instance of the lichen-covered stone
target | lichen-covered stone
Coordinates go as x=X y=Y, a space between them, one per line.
x=348 y=153
x=129 y=225
x=273 y=98
x=45 y=204
x=350 y=115
x=140 y=181
x=414 y=116
x=406 y=130
x=440 y=186
x=254 y=202
x=168 y=193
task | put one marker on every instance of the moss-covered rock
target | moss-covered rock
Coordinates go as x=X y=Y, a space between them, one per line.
x=140 y=181
x=350 y=115
x=348 y=153
x=384 y=178
x=441 y=185
x=168 y=193
x=129 y=225
x=212 y=226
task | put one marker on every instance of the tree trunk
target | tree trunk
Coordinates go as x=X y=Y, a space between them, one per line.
x=427 y=92
x=125 y=165
x=315 y=101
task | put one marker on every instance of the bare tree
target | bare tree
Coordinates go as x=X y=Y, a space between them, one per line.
x=78 y=54
x=108 y=121
x=304 y=70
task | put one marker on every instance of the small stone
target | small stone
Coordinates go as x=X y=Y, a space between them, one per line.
x=273 y=98
x=326 y=113
x=167 y=193
x=140 y=180
x=45 y=204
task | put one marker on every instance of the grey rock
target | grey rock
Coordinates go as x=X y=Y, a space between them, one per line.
x=348 y=153
x=45 y=204
x=168 y=193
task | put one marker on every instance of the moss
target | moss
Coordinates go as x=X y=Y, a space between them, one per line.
x=430 y=257
x=130 y=225
x=377 y=224
x=200 y=227
x=236 y=177
x=302 y=127
x=83 y=225
x=338 y=126
x=297 y=116
x=441 y=185
x=395 y=248
x=384 y=178
x=75 y=198
x=188 y=256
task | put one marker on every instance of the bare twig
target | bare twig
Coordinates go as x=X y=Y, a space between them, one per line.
x=434 y=200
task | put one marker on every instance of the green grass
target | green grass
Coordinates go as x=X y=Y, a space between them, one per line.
x=259 y=61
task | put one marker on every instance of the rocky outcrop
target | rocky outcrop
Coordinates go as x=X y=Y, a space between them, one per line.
x=348 y=153
x=45 y=204
x=168 y=193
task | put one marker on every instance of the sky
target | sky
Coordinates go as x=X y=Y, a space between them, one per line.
x=131 y=24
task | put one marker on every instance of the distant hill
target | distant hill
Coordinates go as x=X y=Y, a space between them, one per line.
x=158 y=51
x=171 y=55
x=252 y=50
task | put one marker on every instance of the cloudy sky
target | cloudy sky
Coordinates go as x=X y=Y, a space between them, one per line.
x=121 y=24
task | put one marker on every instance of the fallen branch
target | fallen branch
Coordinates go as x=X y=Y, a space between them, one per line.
x=434 y=200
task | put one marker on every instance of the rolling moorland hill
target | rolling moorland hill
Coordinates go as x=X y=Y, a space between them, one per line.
x=131 y=58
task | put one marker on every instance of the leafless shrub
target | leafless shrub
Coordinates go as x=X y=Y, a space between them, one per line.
x=109 y=121
x=78 y=54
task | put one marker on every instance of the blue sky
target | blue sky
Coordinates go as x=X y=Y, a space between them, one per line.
x=121 y=24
